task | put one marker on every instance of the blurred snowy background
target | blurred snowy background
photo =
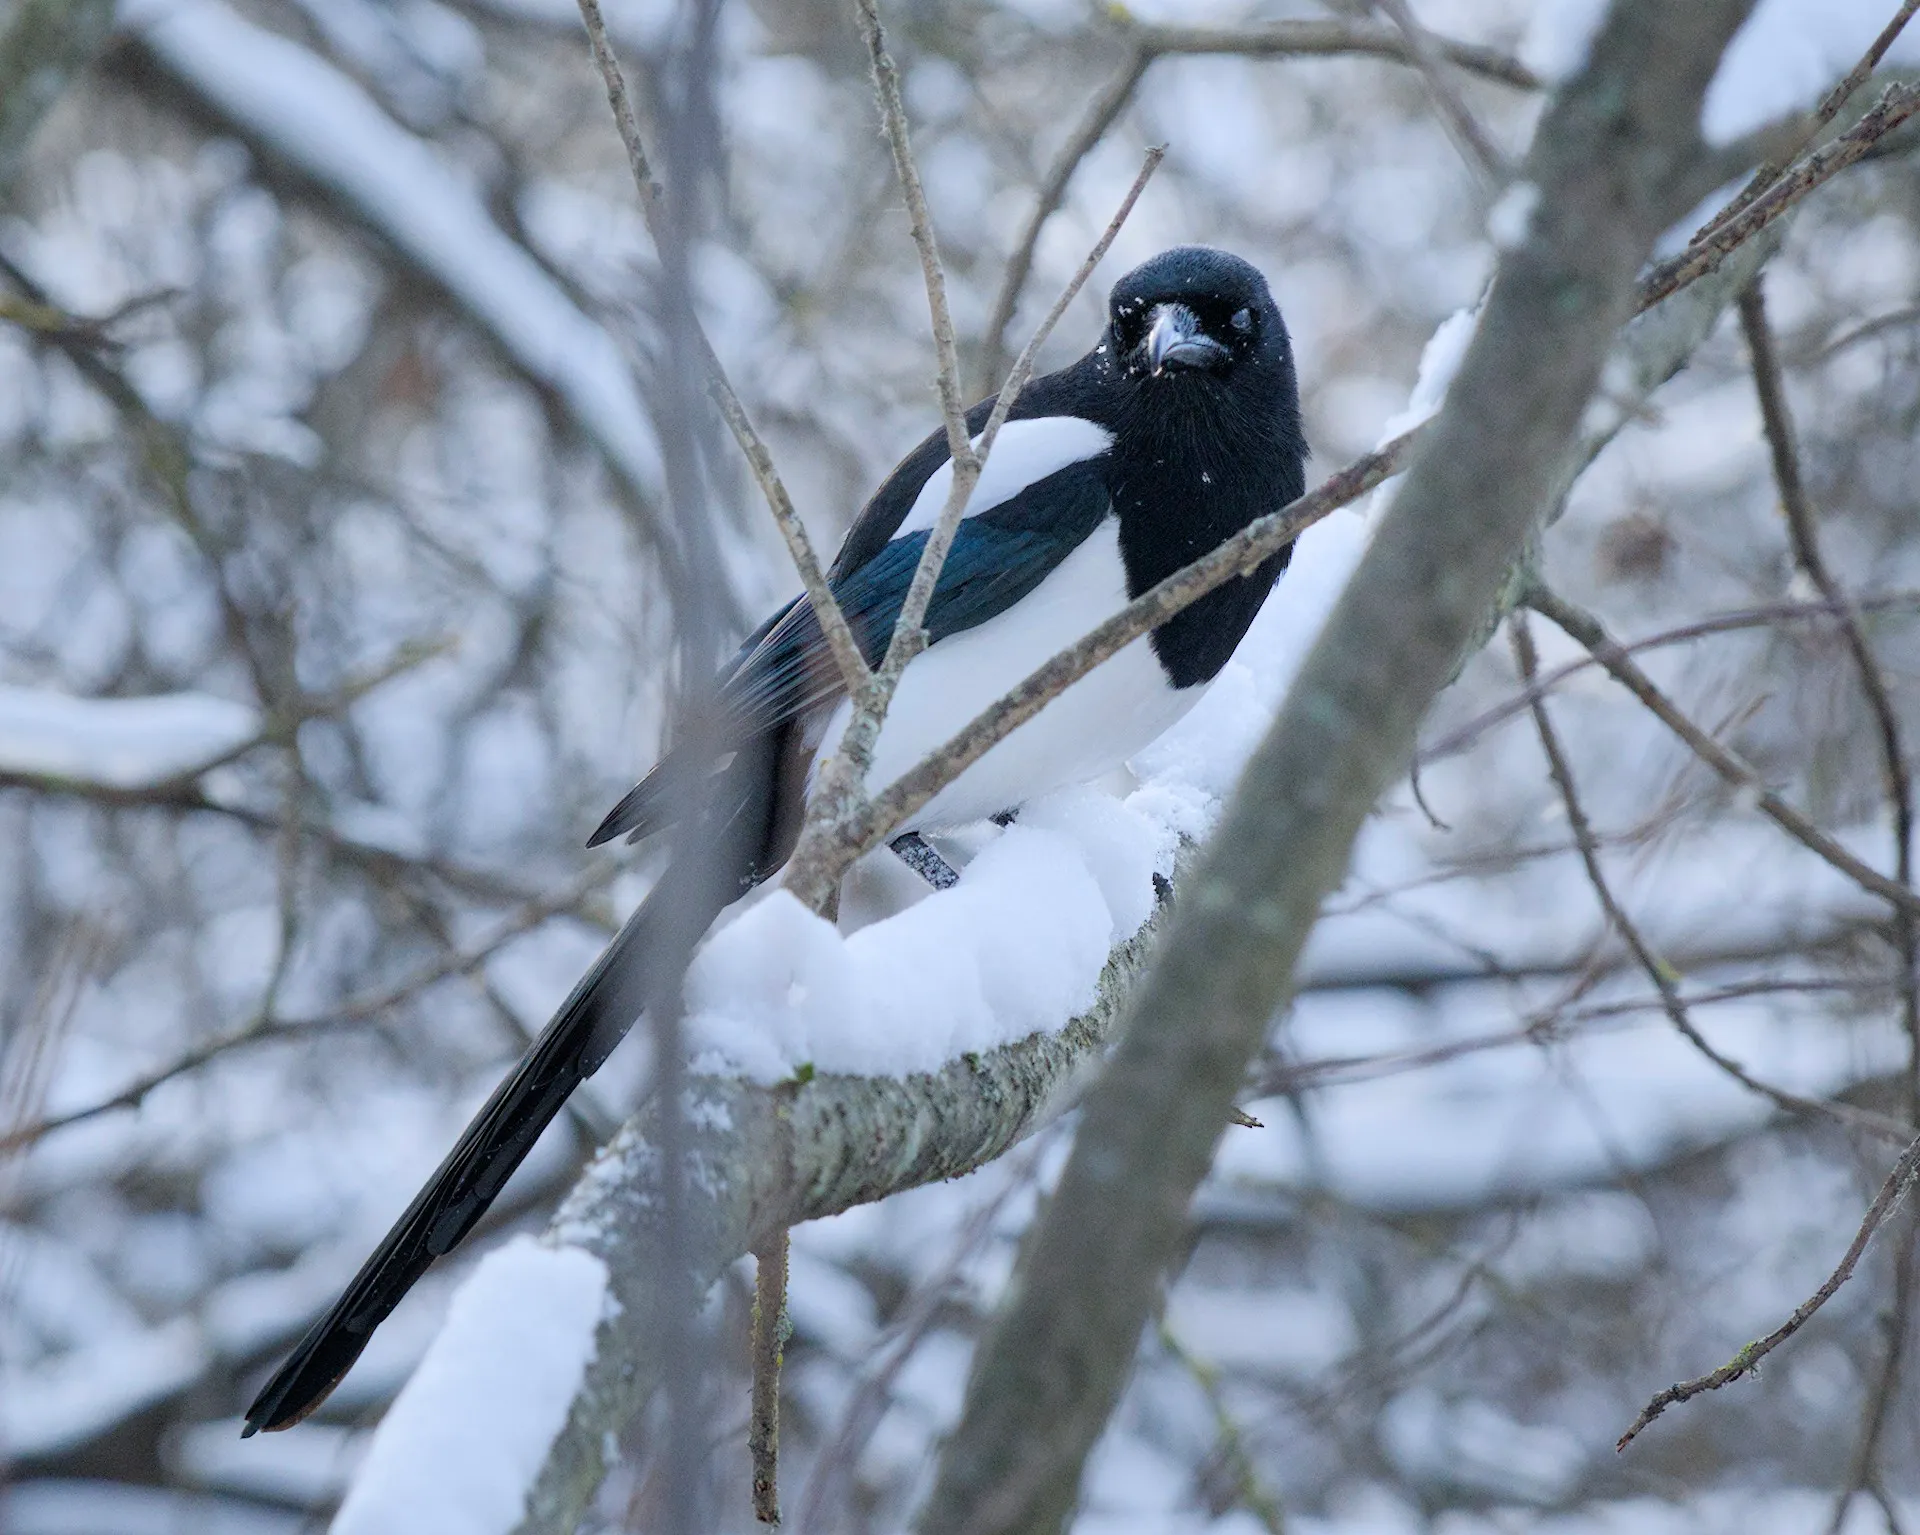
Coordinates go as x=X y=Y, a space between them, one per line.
x=335 y=608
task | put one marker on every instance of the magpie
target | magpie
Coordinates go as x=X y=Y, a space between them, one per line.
x=1175 y=431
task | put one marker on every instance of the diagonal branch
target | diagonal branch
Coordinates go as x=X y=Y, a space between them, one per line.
x=833 y=623
x=1829 y=108
x=1665 y=979
x=1587 y=630
x=1899 y=1183
x=1051 y=1369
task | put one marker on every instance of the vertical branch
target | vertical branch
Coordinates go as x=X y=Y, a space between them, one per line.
x=1770 y=385
x=771 y=1329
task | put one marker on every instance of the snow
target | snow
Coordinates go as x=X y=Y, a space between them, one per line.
x=1789 y=54
x=1784 y=59
x=489 y=1399
x=125 y=743
x=324 y=123
x=1015 y=947
x=68 y=1399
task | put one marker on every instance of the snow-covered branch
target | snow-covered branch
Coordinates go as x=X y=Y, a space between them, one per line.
x=762 y=1158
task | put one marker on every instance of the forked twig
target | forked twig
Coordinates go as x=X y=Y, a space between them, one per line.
x=1899 y=1182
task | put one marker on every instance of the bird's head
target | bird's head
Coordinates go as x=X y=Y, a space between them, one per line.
x=1195 y=313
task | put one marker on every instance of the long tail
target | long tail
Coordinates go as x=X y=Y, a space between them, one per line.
x=654 y=944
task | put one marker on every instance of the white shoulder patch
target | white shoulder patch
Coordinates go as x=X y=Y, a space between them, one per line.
x=1025 y=452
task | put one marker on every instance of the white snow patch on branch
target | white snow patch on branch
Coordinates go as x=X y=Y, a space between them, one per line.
x=490 y=1397
x=122 y=742
x=1016 y=947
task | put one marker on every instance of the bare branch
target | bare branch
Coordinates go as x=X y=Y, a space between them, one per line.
x=1776 y=164
x=264 y=1026
x=1583 y=627
x=1461 y=126
x=1711 y=247
x=1458 y=740
x=1895 y=774
x=1664 y=978
x=1905 y=1173
x=770 y=1330
x=833 y=623
x=1092 y=128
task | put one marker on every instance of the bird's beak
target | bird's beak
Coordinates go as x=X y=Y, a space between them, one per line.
x=1175 y=340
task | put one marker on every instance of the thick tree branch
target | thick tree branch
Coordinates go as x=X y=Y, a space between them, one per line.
x=1610 y=157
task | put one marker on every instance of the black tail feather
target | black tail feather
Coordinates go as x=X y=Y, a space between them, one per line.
x=654 y=946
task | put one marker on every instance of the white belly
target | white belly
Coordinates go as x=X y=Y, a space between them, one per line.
x=1106 y=717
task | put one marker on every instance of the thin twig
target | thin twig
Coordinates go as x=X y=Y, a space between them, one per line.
x=264 y=1026
x=1252 y=1493
x=1461 y=126
x=1665 y=979
x=833 y=624
x=1590 y=632
x=1860 y=1477
x=1150 y=42
x=1899 y=1181
x=1829 y=108
x=1458 y=740
x=908 y=636
x=1316 y=38
x=1094 y=123
x=771 y=1329
x=1722 y=235
x=1895 y=774
x=915 y=1316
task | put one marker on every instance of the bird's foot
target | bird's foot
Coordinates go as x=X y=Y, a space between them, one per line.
x=918 y=856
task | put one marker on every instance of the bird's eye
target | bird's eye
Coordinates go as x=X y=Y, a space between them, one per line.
x=1242 y=321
